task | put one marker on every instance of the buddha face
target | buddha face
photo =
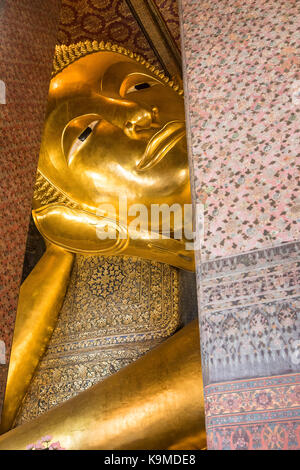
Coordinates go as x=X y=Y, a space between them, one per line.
x=113 y=128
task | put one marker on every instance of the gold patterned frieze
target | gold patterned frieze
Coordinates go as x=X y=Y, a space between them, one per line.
x=115 y=310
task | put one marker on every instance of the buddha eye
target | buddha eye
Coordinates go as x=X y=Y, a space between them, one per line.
x=85 y=134
x=80 y=140
x=139 y=86
x=142 y=86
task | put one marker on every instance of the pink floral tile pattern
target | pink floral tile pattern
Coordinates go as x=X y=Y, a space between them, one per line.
x=242 y=90
x=256 y=414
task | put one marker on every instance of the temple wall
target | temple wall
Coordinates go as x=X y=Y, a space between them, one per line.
x=242 y=98
x=28 y=34
x=102 y=21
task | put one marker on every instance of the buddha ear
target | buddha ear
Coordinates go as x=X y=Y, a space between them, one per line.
x=80 y=231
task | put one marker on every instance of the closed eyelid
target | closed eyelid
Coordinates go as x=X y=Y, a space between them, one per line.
x=139 y=87
x=80 y=141
x=137 y=82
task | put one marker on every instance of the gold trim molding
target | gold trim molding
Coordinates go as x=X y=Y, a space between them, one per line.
x=157 y=34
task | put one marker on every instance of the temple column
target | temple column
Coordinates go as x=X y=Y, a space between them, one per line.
x=242 y=99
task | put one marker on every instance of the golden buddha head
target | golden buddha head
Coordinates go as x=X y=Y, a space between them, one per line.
x=114 y=127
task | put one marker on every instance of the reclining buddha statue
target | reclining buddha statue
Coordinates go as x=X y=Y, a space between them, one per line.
x=99 y=360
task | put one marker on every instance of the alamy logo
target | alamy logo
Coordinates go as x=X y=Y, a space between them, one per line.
x=295 y=355
x=161 y=221
x=2 y=352
x=2 y=92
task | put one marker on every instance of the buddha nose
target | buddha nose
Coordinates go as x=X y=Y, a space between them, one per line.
x=139 y=122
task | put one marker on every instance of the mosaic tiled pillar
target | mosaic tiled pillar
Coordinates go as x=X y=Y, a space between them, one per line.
x=27 y=40
x=242 y=84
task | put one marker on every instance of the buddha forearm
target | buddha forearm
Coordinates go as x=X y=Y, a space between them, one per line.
x=40 y=300
x=153 y=403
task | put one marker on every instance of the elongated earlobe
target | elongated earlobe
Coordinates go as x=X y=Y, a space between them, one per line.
x=79 y=231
